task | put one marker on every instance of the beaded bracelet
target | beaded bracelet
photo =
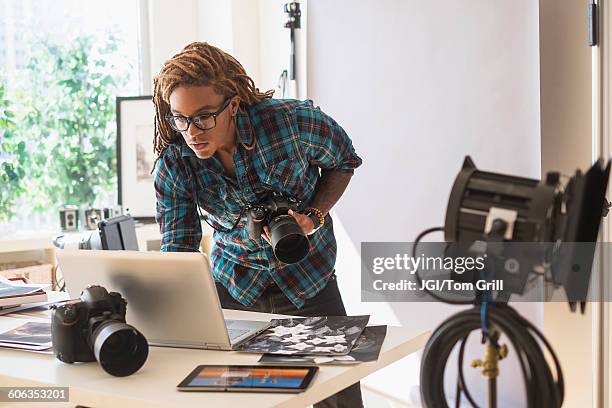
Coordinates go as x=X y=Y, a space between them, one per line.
x=318 y=213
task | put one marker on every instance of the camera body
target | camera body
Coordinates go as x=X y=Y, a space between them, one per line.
x=69 y=218
x=93 y=328
x=92 y=217
x=289 y=242
x=75 y=322
x=270 y=208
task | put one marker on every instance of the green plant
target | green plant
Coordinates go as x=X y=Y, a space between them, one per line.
x=68 y=122
x=12 y=159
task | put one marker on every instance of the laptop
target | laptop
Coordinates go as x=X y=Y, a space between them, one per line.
x=171 y=297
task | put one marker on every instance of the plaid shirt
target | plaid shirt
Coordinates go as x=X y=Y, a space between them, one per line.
x=293 y=142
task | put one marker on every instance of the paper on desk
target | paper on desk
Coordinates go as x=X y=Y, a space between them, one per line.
x=366 y=348
x=321 y=335
x=9 y=288
x=35 y=334
x=30 y=347
x=12 y=322
x=42 y=344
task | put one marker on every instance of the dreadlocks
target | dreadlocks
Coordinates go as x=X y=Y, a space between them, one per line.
x=199 y=64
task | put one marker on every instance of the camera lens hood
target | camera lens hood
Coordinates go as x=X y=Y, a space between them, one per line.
x=119 y=348
x=289 y=242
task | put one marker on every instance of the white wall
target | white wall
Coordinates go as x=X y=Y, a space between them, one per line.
x=215 y=23
x=418 y=85
x=274 y=45
x=172 y=25
x=251 y=30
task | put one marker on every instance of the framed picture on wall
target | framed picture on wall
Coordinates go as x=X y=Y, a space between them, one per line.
x=135 y=156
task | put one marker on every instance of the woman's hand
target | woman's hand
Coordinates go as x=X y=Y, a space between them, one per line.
x=303 y=221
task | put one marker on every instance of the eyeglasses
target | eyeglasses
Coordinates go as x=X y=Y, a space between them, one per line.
x=203 y=122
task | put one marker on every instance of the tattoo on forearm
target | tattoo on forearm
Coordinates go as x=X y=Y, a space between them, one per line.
x=330 y=189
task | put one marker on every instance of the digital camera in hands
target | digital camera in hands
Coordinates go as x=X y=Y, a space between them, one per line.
x=93 y=328
x=289 y=243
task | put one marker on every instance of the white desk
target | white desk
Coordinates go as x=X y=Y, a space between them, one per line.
x=155 y=384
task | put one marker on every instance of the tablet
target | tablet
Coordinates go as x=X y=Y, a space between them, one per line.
x=290 y=379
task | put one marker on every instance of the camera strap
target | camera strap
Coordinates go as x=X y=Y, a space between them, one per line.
x=203 y=216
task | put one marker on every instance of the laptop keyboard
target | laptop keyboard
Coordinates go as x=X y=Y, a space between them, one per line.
x=235 y=333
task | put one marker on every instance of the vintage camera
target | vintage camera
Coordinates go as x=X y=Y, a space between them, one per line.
x=93 y=328
x=92 y=217
x=111 y=212
x=69 y=218
x=289 y=242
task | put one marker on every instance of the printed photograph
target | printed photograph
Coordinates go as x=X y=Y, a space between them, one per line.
x=327 y=335
x=34 y=333
x=366 y=348
x=144 y=153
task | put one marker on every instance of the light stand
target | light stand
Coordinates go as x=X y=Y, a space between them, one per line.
x=490 y=367
x=293 y=23
x=495 y=210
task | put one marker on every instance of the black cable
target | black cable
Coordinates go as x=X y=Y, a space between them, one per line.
x=418 y=277
x=542 y=390
x=282 y=84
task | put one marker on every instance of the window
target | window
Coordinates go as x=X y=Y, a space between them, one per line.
x=62 y=64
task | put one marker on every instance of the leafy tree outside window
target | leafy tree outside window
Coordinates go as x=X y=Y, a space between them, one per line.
x=12 y=159
x=61 y=72
x=70 y=134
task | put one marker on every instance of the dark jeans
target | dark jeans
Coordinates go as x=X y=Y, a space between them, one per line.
x=328 y=302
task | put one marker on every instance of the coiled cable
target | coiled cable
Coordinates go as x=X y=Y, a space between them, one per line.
x=542 y=389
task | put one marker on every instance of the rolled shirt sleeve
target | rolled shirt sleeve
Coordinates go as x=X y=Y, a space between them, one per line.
x=177 y=214
x=326 y=143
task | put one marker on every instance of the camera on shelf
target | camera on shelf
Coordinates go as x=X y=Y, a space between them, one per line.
x=69 y=218
x=94 y=328
x=92 y=217
x=111 y=212
x=289 y=242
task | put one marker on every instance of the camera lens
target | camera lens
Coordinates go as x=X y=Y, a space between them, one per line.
x=119 y=348
x=289 y=242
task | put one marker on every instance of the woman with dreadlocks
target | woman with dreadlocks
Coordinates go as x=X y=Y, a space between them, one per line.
x=222 y=145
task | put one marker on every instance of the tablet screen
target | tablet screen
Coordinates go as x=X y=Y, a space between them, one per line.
x=249 y=377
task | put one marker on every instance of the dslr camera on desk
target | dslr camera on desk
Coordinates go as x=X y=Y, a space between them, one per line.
x=93 y=328
x=118 y=233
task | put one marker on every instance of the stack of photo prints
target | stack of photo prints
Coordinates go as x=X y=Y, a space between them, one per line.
x=318 y=340
x=31 y=336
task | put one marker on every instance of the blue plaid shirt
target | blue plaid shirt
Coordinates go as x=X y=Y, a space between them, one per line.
x=294 y=142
